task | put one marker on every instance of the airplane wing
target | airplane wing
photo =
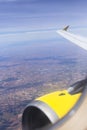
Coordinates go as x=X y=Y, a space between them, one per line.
x=78 y=40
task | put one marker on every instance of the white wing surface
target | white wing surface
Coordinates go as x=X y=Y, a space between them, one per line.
x=78 y=40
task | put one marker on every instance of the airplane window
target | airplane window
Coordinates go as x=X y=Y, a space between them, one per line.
x=37 y=65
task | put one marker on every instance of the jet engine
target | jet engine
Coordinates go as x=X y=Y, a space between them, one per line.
x=49 y=109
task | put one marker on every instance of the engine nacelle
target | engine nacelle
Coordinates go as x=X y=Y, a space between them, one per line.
x=45 y=111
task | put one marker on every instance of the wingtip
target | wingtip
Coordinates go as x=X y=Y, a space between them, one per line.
x=66 y=28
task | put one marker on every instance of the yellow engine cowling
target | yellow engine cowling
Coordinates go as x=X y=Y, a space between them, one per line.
x=61 y=102
x=45 y=111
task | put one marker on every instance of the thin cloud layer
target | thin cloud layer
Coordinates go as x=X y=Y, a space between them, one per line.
x=23 y=15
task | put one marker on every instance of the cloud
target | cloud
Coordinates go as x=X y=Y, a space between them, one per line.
x=27 y=36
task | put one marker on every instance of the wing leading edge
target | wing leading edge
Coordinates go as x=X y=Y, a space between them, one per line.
x=78 y=40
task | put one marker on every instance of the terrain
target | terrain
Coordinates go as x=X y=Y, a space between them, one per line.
x=26 y=74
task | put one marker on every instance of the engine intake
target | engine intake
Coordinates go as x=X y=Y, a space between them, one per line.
x=37 y=116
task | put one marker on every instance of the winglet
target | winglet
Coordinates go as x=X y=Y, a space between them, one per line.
x=66 y=28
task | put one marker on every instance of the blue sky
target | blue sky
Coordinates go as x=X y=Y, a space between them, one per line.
x=40 y=15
